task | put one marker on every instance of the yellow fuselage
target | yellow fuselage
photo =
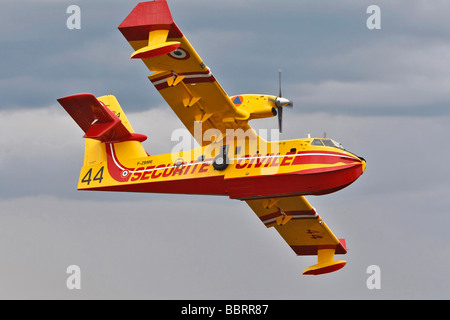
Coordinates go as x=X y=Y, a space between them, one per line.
x=251 y=170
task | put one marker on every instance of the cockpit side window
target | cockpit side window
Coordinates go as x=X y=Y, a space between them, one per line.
x=328 y=143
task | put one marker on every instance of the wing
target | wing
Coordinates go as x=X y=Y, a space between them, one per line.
x=302 y=228
x=180 y=75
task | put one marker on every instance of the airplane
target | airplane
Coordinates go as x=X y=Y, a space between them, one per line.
x=230 y=159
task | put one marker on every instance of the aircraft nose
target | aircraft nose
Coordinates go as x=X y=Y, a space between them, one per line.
x=363 y=163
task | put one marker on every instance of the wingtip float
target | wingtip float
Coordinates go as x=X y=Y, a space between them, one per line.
x=272 y=177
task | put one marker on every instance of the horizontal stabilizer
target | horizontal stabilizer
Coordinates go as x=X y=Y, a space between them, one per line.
x=96 y=120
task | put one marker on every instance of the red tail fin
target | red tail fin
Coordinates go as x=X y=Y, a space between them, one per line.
x=96 y=120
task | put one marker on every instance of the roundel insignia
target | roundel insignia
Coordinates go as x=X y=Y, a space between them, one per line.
x=237 y=100
x=180 y=54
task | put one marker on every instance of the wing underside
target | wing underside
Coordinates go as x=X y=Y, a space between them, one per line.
x=303 y=229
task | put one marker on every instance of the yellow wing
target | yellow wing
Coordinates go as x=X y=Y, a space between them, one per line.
x=180 y=75
x=302 y=228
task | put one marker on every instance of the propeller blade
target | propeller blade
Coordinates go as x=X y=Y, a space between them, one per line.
x=280 y=119
x=279 y=83
x=280 y=103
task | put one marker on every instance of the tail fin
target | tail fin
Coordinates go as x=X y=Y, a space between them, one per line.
x=103 y=122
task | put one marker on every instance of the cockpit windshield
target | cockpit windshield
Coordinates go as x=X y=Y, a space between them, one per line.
x=326 y=142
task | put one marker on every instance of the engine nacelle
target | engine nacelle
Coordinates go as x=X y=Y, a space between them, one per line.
x=257 y=105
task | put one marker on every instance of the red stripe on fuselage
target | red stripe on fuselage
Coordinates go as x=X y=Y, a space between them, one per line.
x=120 y=174
x=205 y=185
x=306 y=182
x=322 y=157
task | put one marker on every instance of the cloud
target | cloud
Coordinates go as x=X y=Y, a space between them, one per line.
x=43 y=60
x=387 y=216
x=327 y=54
x=413 y=97
x=43 y=148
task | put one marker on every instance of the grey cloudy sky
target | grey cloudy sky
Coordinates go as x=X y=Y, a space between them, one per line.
x=383 y=93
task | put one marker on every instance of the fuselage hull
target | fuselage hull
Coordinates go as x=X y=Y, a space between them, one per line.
x=310 y=171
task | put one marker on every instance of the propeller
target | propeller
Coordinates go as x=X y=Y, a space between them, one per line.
x=280 y=103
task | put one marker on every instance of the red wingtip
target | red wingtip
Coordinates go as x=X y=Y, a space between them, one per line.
x=146 y=17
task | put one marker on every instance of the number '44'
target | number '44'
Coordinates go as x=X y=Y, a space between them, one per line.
x=97 y=177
